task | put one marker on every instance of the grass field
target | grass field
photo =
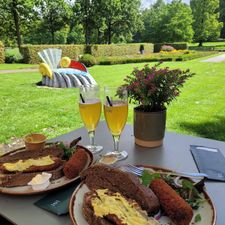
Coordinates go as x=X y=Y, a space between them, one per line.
x=24 y=108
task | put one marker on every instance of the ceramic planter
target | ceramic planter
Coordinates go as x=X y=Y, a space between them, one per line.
x=149 y=128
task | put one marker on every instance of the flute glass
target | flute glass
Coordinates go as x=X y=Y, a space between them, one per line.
x=90 y=107
x=116 y=111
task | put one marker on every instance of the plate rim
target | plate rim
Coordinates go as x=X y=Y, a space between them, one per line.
x=3 y=190
x=73 y=197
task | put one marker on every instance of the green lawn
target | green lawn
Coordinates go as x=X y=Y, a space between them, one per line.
x=24 y=108
x=16 y=66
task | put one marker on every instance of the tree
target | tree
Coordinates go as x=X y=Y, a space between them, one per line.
x=206 y=25
x=222 y=17
x=16 y=17
x=121 y=18
x=54 y=15
x=168 y=22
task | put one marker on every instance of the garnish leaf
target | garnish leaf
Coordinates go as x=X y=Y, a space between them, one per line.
x=68 y=152
x=147 y=177
x=187 y=184
x=198 y=218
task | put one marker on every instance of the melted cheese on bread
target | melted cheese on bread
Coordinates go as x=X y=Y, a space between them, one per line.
x=22 y=165
x=127 y=212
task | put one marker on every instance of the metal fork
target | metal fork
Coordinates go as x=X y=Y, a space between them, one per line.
x=139 y=171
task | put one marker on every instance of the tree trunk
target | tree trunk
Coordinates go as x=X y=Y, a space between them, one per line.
x=109 y=34
x=53 y=37
x=16 y=22
x=200 y=44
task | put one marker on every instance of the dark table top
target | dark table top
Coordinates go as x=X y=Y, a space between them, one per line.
x=174 y=154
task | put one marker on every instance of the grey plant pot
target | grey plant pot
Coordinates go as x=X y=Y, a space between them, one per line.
x=149 y=128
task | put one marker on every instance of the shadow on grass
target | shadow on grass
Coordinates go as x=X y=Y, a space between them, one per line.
x=214 y=129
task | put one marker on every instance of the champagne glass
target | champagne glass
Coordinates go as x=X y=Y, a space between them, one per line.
x=90 y=110
x=115 y=111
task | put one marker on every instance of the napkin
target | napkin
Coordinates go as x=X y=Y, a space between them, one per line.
x=210 y=161
x=57 y=202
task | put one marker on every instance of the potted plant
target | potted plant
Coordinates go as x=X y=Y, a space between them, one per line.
x=153 y=88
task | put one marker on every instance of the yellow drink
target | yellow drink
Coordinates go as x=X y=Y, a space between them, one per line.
x=90 y=112
x=116 y=117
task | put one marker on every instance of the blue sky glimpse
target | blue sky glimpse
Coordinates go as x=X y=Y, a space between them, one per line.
x=147 y=3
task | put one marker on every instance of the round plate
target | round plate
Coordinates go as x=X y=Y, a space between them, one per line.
x=55 y=184
x=207 y=209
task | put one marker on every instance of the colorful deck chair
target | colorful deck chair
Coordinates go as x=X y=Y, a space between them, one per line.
x=62 y=72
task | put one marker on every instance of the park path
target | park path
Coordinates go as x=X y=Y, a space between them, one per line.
x=218 y=58
x=25 y=70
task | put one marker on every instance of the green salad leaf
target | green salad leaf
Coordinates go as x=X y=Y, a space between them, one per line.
x=198 y=218
x=147 y=177
x=68 y=152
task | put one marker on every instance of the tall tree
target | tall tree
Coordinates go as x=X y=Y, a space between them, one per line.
x=168 y=22
x=222 y=17
x=206 y=25
x=54 y=15
x=121 y=17
x=16 y=17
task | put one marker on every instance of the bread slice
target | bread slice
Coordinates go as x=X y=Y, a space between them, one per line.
x=21 y=179
x=105 y=207
x=24 y=154
x=101 y=176
x=16 y=178
x=56 y=162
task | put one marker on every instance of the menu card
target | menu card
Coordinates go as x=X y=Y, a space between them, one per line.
x=210 y=161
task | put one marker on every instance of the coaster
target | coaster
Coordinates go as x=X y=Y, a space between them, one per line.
x=210 y=161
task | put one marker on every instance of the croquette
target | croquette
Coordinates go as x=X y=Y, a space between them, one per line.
x=75 y=164
x=174 y=206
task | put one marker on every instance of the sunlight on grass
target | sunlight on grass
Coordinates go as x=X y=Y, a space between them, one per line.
x=16 y=66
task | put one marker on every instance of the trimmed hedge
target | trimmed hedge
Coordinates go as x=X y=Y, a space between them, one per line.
x=2 y=53
x=176 y=45
x=118 y=49
x=152 y=58
x=30 y=55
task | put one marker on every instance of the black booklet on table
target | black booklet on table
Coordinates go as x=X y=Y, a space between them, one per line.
x=210 y=161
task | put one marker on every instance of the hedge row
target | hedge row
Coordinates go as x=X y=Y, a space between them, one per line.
x=118 y=49
x=177 y=46
x=30 y=55
x=2 y=53
x=152 y=58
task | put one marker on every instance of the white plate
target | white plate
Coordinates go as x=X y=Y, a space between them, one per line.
x=206 y=210
x=55 y=184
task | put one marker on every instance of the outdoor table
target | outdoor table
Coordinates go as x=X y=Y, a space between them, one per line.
x=174 y=154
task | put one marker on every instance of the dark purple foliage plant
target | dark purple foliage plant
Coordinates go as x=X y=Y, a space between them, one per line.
x=153 y=88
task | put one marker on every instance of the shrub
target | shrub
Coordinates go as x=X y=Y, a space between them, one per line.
x=30 y=52
x=178 y=46
x=2 y=53
x=118 y=49
x=13 y=56
x=88 y=60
